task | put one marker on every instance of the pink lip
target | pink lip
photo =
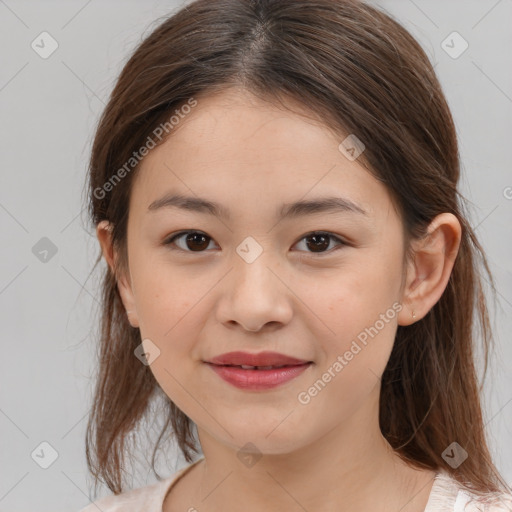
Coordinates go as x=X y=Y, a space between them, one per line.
x=258 y=379
x=260 y=359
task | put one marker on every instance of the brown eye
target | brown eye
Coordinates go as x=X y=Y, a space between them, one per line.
x=319 y=242
x=194 y=241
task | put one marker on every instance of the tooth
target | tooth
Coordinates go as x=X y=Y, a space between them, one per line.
x=247 y=367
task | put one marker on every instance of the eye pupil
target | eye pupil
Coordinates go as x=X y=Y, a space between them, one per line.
x=317 y=243
x=197 y=237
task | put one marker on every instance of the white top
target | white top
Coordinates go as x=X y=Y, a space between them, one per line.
x=446 y=496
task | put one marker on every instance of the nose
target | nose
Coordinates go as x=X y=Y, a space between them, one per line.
x=255 y=297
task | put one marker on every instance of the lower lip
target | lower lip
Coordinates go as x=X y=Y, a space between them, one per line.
x=258 y=379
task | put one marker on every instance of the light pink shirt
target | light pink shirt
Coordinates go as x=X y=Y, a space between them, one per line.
x=446 y=496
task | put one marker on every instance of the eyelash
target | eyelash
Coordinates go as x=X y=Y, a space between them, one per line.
x=342 y=242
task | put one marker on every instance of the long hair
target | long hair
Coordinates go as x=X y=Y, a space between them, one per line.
x=360 y=72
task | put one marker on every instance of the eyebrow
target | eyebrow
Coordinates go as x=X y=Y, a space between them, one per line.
x=331 y=204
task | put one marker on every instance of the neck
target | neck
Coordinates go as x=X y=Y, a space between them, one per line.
x=346 y=468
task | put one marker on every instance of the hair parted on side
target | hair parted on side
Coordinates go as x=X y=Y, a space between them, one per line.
x=360 y=72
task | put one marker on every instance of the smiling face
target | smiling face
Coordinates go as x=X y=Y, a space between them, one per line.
x=254 y=280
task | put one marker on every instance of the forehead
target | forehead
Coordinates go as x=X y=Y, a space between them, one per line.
x=236 y=148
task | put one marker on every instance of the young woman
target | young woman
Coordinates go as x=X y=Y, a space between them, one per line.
x=290 y=267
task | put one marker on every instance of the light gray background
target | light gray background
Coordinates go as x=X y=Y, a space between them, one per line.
x=49 y=108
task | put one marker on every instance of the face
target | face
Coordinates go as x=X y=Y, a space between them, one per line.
x=250 y=280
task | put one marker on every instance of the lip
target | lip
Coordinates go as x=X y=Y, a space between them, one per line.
x=259 y=359
x=258 y=379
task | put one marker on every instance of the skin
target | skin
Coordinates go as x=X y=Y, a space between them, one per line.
x=251 y=157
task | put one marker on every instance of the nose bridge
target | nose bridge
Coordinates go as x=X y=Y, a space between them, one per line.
x=254 y=295
x=251 y=272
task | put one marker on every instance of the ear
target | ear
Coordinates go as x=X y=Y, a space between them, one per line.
x=104 y=234
x=431 y=266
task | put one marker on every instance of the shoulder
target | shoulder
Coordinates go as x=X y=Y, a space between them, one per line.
x=469 y=502
x=449 y=495
x=149 y=498
x=142 y=498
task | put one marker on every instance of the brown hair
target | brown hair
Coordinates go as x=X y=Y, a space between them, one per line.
x=360 y=72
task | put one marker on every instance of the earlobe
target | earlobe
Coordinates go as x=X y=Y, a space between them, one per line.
x=104 y=234
x=431 y=266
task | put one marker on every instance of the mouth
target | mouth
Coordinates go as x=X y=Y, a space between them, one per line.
x=262 y=361
x=248 y=367
x=258 y=378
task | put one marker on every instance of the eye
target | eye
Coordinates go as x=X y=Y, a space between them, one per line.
x=196 y=241
x=320 y=241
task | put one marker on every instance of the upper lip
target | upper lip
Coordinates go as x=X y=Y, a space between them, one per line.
x=260 y=359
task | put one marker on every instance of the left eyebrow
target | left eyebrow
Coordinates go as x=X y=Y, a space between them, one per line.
x=331 y=204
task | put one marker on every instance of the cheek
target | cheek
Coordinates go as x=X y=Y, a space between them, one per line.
x=168 y=317
x=163 y=298
x=361 y=311
x=352 y=364
x=354 y=301
x=363 y=338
